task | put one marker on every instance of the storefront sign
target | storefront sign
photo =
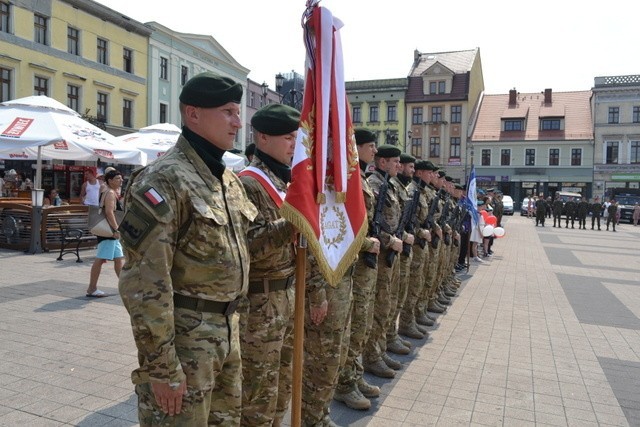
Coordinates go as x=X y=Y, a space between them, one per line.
x=485 y=178
x=625 y=177
x=504 y=178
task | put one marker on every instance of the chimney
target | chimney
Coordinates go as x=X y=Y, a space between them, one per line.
x=513 y=95
x=547 y=96
x=416 y=55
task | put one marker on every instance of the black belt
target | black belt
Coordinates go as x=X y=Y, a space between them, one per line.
x=270 y=285
x=205 y=306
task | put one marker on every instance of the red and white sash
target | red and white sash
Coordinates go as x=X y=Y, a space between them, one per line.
x=258 y=174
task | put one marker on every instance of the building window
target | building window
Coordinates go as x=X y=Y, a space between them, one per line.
x=486 y=157
x=163 y=113
x=164 y=68
x=127 y=60
x=39 y=29
x=416 y=116
x=554 y=156
x=103 y=106
x=5 y=84
x=373 y=113
x=442 y=87
x=456 y=114
x=614 y=115
x=357 y=114
x=41 y=86
x=634 y=157
x=530 y=157
x=184 y=75
x=436 y=114
x=513 y=125
x=611 y=156
x=73 y=97
x=252 y=99
x=5 y=17
x=73 y=41
x=434 y=147
x=437 y=87
x=455 y=147
x=392 y=113
x=127 y=113
x=416 y=147
x=550 y=124
x=505 y=157
x=636 y=114
x=103 y=51
x=576 y=157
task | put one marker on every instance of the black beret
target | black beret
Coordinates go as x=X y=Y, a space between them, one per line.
x=448 y=178
x=250 y=150
x=407 y=158
x=441 y=173
x=387 y=151
x=276 y=119
x=425 y=165
x=209 y=90
x=364 y=136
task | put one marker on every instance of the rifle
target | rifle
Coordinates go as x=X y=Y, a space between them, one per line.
x=371 y=259
x=408 y=213
x=428 y=222
x=444 y=218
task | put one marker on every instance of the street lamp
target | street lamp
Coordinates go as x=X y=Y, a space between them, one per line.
x=291 y=97
x=409 y=133
x=265 y=92
x=37 y=200
x=391 y=137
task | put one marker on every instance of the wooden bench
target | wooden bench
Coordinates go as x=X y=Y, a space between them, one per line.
x=72 y=235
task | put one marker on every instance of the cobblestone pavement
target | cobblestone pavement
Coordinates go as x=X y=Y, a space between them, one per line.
x=545 y=333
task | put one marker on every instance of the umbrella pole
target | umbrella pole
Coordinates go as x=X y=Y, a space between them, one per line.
x=38 y=180
x=298 y=333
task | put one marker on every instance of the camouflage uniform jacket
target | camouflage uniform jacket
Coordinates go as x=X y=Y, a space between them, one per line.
x=403 y=195
x=369 y=204
x=434 y=198
x=184 y=231
x=596 y=208
x=557 y=207
x=392 y=209
x=270 y=235
x=423 y=206
x=583 y=207
x=570 y=207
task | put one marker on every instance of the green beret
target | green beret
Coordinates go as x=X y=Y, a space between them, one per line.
x=250 y=150
x=276 y=119
x=364 y=136
x=425 y=165
x=209 y=90
x=441 y=173
x=387 y=151
x=458 y=187
x=448 y=178
x=407 y=158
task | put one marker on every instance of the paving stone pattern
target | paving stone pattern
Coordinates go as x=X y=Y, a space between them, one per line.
x=545 y=333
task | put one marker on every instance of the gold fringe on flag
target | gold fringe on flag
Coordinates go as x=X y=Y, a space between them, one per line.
x=341 y=197
x=321 y=199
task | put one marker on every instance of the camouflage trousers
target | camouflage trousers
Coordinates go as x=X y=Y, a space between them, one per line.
x=364 y=288
x=436 y=273
x=387 y=284
x=416 y=285
x=266 y=341
x=325 y=351
x=403 y=287
x=430 y=269
x=208 y=347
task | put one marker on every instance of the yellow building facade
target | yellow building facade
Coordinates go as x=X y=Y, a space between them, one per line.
x=82 y=54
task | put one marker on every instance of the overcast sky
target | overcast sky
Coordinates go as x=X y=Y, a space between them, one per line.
x=529 y=46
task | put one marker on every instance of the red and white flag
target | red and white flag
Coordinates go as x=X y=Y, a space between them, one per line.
x=324 y=200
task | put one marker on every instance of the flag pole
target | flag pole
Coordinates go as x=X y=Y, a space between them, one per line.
x=298 y=332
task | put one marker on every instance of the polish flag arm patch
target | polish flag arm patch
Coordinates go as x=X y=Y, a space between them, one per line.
x=153 y=197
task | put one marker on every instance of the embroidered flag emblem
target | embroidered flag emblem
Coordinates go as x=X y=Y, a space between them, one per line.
x=153 y=197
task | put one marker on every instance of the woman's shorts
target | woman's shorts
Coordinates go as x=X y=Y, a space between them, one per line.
x=109 y=249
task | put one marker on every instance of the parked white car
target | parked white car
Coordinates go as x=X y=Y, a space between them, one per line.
x=507 y=204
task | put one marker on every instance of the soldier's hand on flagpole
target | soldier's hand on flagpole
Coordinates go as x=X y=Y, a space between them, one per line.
x=319 y=313
x=375 y=249
x=168 y=397
x=396 y=244
x=410 y=239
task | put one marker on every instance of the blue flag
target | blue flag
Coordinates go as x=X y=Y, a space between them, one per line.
x=472 y=196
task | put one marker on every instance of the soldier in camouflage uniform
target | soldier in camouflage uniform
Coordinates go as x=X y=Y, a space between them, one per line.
x=583 y=211
x=395 y=344
x=557 y=211
x=187 y=264
x=541 y=210
x=596 y=211
x=387 y=282
x=266 y=331
x=570 y=210
x=352 y=389
x=326 y=342
x=408 y=325
x=612 y=210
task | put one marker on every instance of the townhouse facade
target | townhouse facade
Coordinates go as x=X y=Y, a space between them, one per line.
x=379 y=105
x=616 y=117
x=79 y=52
x=443 y=91
x=533 y=143
x=257 y=96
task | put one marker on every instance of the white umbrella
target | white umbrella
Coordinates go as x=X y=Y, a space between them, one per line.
x=39 y=127
x=155 y=140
